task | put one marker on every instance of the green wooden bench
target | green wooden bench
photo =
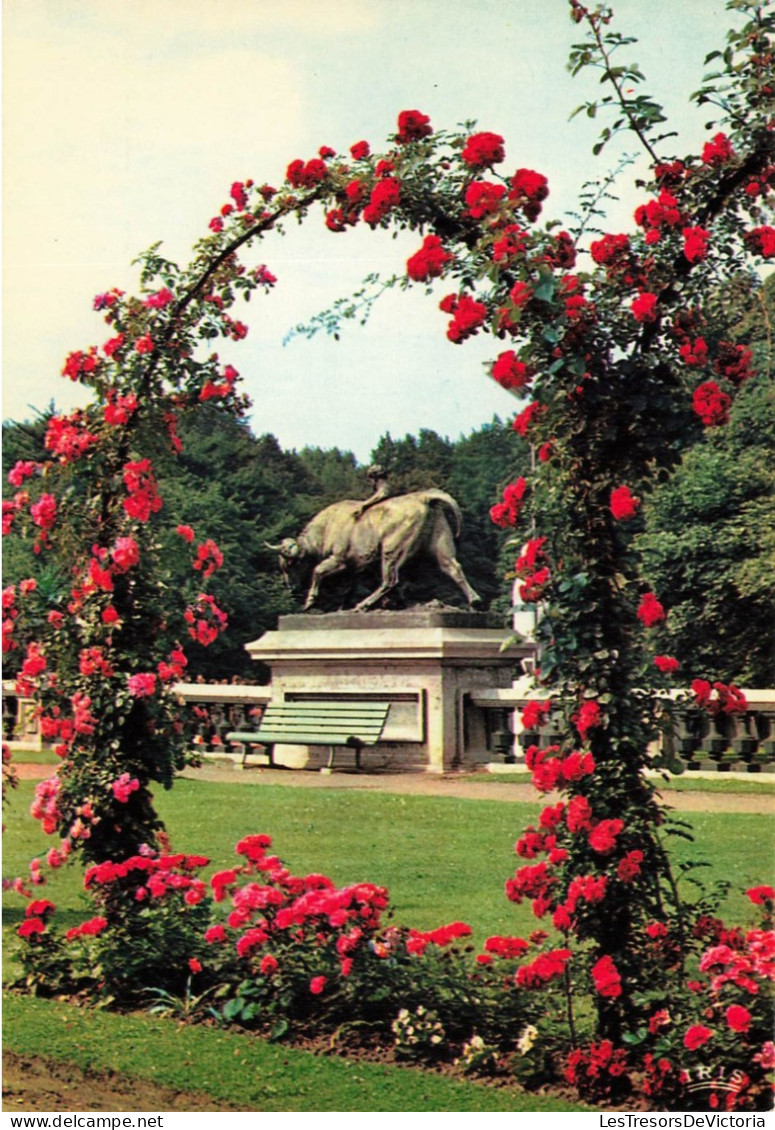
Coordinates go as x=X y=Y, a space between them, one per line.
x=349 y=725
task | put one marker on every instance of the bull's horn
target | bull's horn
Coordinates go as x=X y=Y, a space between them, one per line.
x=276 y=548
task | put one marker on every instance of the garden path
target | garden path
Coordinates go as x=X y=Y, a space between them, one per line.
x=463 y=785
x=466 y=786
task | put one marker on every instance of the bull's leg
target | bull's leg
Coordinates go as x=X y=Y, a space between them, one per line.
x=389 y=581
x=449 y=564
x=324 y=569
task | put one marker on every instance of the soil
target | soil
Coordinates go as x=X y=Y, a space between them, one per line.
x=31 y=1083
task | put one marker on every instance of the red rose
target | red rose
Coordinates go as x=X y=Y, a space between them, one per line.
x=44 y=511
x=610 y=250
x=760 y=895
x=528 y=189
x=696 y=1036
x=429 y=261
x=644 y=307
x=535 y=713
x=718 y=151
x=360 y=150
x=125 y=554
x=578 y=814
x=762 y=241
x=711 y=404
x=602 y=838
x=527 y=417
x=733 y=362
x=483 y=198
x=482 y=150
x=695 y=244
x=606 y=977
x=650 y=611
x=412 y=126
x=624 y=505
x=468 y=316
x=510 y=372
x=142 y=685
x=694 y=353
x=587 y=717
x=738 y=1018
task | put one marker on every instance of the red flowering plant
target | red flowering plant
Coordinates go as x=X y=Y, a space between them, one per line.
x=711 y=1042
x=624 y=362
x=149 y=914
x=294 y=948
x=101 y=643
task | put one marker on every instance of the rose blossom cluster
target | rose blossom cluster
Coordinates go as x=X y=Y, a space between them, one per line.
x=506 y=512
x=275 y=914
x=205 y=620
x=719 y=698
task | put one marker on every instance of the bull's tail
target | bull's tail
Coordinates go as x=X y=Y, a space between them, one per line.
x=440 y=498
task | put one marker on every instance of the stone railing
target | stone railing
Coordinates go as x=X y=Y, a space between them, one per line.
x=743 y=743
x=20 y=724
x=738 y=743
x=213 y=709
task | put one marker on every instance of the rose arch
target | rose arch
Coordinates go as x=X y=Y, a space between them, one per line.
x=607 y=341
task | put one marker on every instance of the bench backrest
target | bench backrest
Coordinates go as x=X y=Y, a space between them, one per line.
x=324 y=723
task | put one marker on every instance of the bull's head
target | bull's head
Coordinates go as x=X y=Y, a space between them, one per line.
x=289 y=550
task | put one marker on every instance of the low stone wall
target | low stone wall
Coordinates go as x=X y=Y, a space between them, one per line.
x=489 y=720
x=740 y=743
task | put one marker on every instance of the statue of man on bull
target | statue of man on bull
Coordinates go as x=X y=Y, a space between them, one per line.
x=384 y=529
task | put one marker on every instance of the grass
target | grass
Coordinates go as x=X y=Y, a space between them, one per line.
x=240 y=1069
x=721 y=783
x=43 y=756
x=442 y=858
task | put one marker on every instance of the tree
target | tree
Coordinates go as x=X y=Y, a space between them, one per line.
x=708 y=538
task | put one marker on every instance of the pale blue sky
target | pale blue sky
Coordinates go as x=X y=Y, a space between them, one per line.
x=126 y=122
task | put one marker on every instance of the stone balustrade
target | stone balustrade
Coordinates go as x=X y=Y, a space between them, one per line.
x=699 y=741
x=743 y=743
x=214 y=709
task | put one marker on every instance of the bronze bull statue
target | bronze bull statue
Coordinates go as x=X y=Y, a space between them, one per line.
x=391 y=531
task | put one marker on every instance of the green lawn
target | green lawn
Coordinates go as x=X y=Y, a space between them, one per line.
x=239 y=1069
x=442 y=859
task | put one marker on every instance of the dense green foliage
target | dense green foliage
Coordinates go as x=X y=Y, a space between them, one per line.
x=246 y=491
x=709 y=536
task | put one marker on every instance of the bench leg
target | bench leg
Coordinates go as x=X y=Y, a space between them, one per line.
x=268 y=750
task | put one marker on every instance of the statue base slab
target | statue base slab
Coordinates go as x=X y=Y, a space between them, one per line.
x=427 y=663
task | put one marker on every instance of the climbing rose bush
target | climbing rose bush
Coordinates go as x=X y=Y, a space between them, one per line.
x=624 y=360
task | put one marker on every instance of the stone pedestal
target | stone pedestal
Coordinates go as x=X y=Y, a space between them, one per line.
x=427 y=664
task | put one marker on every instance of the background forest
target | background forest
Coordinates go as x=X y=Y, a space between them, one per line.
x=708 y=532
